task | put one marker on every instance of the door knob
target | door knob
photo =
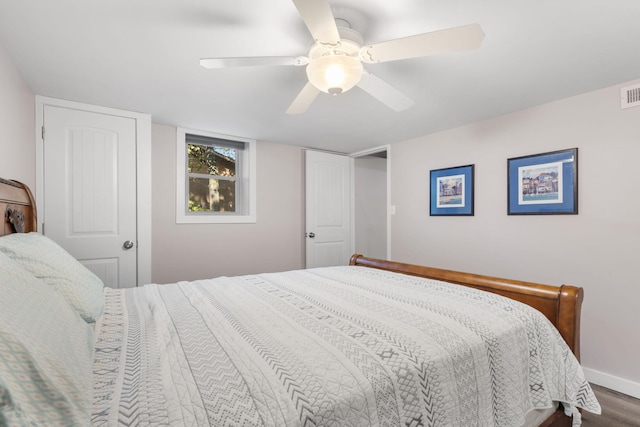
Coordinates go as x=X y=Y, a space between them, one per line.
x=127 y=245
x=312 y=235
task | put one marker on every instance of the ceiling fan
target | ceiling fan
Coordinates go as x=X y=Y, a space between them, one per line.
x=335 y=60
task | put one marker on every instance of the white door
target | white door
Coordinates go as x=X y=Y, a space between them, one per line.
x=90 y=190
x=328 y=209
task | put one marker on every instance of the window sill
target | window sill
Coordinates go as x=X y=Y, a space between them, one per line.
x=215 y=219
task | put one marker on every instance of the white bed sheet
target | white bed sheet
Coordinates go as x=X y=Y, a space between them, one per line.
x=344 y=346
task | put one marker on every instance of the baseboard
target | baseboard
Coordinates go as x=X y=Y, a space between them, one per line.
x=618 y=384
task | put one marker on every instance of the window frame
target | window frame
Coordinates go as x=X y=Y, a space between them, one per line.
x=245 y=181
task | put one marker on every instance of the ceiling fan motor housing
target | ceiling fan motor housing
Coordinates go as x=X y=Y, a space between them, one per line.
x=337 y=68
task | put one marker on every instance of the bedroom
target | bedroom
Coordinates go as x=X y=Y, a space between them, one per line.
x=595 y=249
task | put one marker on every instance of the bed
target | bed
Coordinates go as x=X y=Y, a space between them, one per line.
x=372 y=343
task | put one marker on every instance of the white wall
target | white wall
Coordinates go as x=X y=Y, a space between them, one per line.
x=370 y=176
x=596 y=249
x=197 y=251
x=17 y=124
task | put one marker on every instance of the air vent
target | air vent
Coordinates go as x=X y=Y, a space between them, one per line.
x=630 y=96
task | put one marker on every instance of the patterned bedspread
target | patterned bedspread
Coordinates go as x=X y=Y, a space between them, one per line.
x=338 y=346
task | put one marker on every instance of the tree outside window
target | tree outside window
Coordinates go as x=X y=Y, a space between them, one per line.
x=212 y=178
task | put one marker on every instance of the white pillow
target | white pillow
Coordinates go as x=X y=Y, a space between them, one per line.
x=46 y=353
x=46 y=260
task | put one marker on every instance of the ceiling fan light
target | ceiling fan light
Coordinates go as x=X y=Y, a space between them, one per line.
x=334 y=74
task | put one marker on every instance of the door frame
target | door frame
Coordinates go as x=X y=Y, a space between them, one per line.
x=364 y=153
x=143 y=166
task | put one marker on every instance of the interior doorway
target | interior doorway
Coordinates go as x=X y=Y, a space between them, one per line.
x=371 y=203
x=73 y=128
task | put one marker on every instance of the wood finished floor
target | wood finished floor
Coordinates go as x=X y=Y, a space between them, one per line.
x=618 y=410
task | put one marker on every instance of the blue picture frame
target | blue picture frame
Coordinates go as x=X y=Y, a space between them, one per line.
x=451 y=191
x=543 y=184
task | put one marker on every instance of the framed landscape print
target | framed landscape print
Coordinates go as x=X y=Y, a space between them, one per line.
x=544 y=183
x=451 y=191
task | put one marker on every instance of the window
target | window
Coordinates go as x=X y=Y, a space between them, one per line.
x=215 y=178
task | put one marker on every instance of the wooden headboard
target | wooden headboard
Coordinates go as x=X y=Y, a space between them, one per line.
x=560 y=304
x=18 y=208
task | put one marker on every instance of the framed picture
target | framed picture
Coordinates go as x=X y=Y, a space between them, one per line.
x=451 y=191
x=543 y=184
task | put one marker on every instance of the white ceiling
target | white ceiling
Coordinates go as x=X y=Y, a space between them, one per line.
x=142 y=55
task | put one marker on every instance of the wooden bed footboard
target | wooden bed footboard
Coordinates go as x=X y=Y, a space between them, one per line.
x=560 y=304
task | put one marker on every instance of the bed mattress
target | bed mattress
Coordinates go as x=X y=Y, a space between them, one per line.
x=342 y=346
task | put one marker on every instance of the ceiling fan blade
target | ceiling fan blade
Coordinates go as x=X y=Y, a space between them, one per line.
x=251 y=61
x=307 y=95
x=319 y=19
x=384 y=92
x=466 y=37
